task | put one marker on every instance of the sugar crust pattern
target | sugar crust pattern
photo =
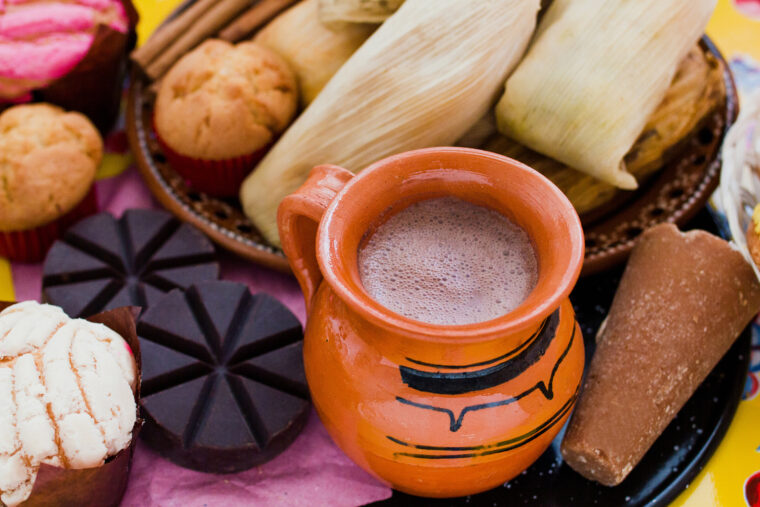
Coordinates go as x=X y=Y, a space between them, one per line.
x=66 y=395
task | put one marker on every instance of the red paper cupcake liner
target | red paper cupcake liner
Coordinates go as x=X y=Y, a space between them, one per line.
x=31 y=245
x=217 y=178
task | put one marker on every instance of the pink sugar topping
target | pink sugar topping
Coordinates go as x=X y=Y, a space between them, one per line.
x=42 y=41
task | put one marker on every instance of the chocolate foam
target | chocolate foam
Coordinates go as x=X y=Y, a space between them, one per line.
x=449 y=262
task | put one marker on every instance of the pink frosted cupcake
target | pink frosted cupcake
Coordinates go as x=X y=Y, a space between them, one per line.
x=71 y=53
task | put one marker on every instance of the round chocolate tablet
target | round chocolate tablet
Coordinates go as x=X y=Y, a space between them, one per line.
x=103 y=263
x=223 y=385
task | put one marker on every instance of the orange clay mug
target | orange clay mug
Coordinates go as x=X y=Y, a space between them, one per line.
x=435 y=410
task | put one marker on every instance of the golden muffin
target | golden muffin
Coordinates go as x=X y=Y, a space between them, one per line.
x=48 y=161
x=223 y=100
x=219 y=109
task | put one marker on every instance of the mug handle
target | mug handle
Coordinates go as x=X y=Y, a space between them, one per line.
x=298 y=218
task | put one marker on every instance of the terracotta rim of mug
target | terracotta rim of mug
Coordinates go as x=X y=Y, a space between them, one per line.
x=484 y=178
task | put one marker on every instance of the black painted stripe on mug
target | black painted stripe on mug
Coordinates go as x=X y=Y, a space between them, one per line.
x=469 y=381
x=511 y=353
x=486 y=446
x=505 y=446
x=546 y=389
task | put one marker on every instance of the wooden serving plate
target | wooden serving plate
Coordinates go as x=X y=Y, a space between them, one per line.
x=674 y=194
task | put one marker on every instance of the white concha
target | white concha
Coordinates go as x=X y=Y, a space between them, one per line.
x=7 y=413
x=106 y=395
x=25 y=326
x=14 y=480
x=66 y=395
x=35 y=433
x=118 y=348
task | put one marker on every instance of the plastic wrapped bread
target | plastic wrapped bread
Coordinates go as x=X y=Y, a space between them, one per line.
x=421 y=80
x=683 y=300
x=594 y=73
x=66 y=395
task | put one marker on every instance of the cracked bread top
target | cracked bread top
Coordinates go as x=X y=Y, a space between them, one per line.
x=223 y=101
x=48 y=161
x=66 y=395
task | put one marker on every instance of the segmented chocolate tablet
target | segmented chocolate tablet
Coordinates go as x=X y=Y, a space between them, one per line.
x=223 y=385
x=103 y=263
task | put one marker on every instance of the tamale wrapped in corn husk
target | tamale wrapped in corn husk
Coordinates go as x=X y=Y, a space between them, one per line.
x=697 y=89
x=357 y=11
x=595 y=72
x=314 y=51
x=422 y=79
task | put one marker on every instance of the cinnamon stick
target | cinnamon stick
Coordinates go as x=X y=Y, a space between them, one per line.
x=255 y=17
x=166 y=35
x=214 y=19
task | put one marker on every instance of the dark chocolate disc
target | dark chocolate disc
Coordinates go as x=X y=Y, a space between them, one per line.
x=103 y=263
x=223 y=385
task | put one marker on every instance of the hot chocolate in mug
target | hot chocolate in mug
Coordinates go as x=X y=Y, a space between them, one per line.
x=435 y=410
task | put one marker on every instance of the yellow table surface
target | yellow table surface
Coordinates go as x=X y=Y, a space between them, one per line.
x=722 y=481
x=6 y=284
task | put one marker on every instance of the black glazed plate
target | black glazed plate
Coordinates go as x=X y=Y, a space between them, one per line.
x=672 y=462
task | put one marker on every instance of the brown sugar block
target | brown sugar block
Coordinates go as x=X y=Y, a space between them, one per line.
x=683 y=300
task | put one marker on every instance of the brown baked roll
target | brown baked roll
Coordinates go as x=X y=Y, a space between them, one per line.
x=683 y=300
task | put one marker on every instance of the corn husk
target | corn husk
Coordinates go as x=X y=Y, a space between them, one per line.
x=313 y=51
x=697 y=89
x=594 y=74
x=422 y=79
x=357 y=11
